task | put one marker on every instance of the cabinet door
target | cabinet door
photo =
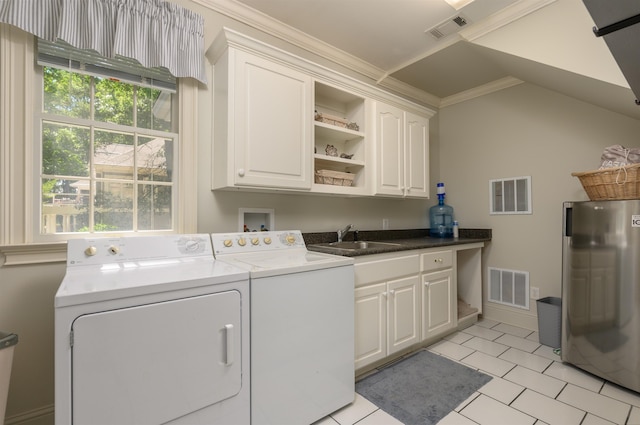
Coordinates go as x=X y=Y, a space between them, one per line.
x=416 y=172
x=272 y=123
x=403 y=298
x=370 y=324
x=389 y=150
x=438 y=303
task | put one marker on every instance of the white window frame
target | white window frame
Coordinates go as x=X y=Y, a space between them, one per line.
x=37 y=166
x=18 y=232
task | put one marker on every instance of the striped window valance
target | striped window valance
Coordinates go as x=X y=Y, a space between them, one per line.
x=153 y=32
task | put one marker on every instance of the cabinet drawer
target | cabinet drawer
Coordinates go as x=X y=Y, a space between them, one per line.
x=437 y=260
x=386 y=269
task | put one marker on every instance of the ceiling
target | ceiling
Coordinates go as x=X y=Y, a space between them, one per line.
x=395 y=38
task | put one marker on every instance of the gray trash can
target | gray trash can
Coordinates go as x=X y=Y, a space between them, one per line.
x=7 y=344
x=549 y=321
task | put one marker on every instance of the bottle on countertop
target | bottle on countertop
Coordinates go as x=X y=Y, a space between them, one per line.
x=456 y=229
x=441 y=217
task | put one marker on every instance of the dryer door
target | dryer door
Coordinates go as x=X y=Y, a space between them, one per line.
x=154 y=363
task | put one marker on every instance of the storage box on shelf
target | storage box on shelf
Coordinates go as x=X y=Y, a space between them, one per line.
x=339 y=157
x=335 y=178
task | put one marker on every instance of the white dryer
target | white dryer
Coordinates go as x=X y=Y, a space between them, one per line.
x=151 y=330
x=302 y=325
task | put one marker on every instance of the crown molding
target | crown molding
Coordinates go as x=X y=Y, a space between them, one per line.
x=277 y=29
x=494 y=86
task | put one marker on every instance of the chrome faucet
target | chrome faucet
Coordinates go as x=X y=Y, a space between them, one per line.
x=343 y=232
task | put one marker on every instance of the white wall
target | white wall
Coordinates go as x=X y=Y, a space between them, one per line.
x=524 y=131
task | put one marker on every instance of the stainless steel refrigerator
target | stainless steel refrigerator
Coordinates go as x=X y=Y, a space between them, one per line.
x=601 y=289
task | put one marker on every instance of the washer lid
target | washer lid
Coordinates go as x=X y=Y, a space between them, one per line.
x=262 y=264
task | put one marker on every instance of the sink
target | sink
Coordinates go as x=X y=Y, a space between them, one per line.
x=357 y=245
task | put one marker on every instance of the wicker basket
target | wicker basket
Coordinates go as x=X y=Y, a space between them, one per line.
x=331 y=119
x=611 y=183
x=335 y=178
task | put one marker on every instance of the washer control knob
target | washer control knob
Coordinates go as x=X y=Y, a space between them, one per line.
x=91 y=251
x=242 y=241
x=290 y=239
x=267 y=240
x=114 y=249
x=227 y=243
x=255 y=241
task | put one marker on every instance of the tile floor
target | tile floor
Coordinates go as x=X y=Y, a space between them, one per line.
x=530 y=385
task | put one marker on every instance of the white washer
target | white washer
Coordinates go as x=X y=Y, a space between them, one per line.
x=302 y=325
x=151 y=330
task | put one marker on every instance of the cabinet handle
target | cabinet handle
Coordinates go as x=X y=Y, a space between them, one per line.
x=438 y=260
x=392 y=292
x=241 y=172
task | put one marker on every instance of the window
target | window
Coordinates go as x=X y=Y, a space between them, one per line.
x=109 y=147
x=21 y=241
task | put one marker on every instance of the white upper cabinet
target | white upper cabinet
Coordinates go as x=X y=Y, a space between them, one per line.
x=416 y=172
x=389 y=150
x=282 y=122
x=264 y=139
x=402 y=152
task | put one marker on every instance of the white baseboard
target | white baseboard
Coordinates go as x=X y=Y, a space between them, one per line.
x=40 y=416
x=509 y=316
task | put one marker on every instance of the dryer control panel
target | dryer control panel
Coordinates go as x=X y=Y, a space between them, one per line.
x=233 y=243
x=98 y=251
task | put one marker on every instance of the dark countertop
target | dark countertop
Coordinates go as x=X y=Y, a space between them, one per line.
x=405 y=240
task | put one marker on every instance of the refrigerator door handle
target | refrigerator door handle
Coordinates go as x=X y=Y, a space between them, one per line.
x=568 y=220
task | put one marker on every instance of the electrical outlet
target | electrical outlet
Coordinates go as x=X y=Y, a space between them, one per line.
x=535 y=293
x=385 y=224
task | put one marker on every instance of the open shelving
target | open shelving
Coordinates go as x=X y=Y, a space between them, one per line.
x=348 y=142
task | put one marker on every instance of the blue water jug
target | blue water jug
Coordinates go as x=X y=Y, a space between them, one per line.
x=441 y=217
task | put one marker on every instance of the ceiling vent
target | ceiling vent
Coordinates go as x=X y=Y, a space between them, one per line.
x=448 y=27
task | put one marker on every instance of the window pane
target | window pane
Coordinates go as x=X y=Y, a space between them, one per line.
x=154 y=109
x=66 y=93
x=65 y=149
x=65 y=205
x=113 y=155
x=154 y=207
x=113 y=101
x=99 y=177
x=155 y=159
x=113 y=206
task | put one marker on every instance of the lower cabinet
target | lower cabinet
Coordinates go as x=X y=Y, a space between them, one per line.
x=438 y=308
x=387 y=309
x=402 y=300
x=439 y=293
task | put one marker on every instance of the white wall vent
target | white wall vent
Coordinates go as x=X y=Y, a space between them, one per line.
x=509 y=287
x=448 y=27
x=510 y=196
